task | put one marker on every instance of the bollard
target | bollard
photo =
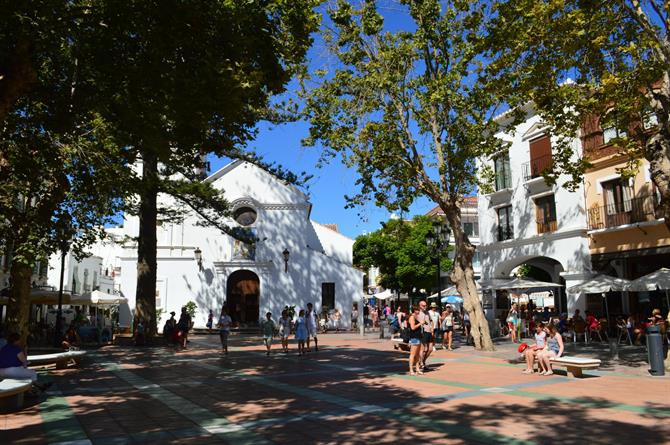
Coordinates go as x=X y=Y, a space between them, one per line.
x=614 y=348
x=655 y=351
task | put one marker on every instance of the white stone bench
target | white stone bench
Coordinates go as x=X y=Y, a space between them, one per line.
x=575 y=365
x=14 y=388
x=399 y=344
x=60 y=359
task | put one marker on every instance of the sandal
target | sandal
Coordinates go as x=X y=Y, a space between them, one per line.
x=419 y=372
x=412 y=373
x=527 y=371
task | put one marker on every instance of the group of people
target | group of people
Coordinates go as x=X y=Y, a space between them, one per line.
x=176 y=332
x=422 y=329
x=548 y=344
x=305 y=327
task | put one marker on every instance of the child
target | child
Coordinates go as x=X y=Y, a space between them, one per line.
x=268 y=329
x=301 y=332
x=284 y=330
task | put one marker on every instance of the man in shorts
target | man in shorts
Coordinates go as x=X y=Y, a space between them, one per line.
x=268 y=329
x=312 y=326
x=428 y=339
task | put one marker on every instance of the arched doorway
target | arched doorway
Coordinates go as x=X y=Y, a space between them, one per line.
x=243 y=297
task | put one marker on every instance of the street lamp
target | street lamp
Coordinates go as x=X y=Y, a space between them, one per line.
x=197 y=254
x=286 y=254
x=438 y=239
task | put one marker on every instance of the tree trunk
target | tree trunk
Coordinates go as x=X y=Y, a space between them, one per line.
x=658 y=155
x=16 y=78
x=18 y=307
x=145 y=294
x=464 y=277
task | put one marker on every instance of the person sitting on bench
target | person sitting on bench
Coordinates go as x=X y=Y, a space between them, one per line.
x=14 y=364
x=554 y=348
x=531 y=353
x=71 y=340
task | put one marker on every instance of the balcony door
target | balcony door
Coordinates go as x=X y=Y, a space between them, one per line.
x=540 y=156
x=545 y=212
x=618 y=197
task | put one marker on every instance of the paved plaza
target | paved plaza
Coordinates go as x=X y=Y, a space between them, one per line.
x=353 y=390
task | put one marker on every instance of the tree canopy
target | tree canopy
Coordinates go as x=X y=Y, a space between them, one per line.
x=580 y=61
x=400 y=252
x=406 y=110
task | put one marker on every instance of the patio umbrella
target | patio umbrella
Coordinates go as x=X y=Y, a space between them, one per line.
x=658 y=280
x=452 y=299
x=522 y=285
x=382 y=295
x=451 y=290
x=601 y=284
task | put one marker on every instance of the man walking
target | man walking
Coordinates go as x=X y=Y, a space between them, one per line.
x=312 y=326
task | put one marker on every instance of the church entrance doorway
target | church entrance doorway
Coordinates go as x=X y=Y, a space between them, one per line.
x=243 y=297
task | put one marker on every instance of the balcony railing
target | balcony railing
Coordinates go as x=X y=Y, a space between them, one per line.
x=535 y=167
x=503 y=181
x=620 y=213
x=505 y=233
x=546 y=226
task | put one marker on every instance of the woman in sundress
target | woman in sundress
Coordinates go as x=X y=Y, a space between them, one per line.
x=301 y=332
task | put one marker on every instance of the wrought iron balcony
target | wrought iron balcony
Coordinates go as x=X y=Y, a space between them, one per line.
x=620 y=213
x=505 y=233
x=535 y=167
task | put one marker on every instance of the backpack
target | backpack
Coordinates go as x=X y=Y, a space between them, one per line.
x=393 y=321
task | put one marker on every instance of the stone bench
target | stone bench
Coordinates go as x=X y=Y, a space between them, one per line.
x=60 y=359
x=399 y=344
x=575 y=365
x=14 y=388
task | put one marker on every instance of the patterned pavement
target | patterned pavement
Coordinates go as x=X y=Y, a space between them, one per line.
x=354 y=390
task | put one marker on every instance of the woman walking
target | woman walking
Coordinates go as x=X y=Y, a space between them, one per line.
x=301 y=332
x=447 y=322
x=284 y=330
x=415 y=335
x=513 y=321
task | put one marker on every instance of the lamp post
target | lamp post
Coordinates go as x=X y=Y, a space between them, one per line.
x=197 y=254
x=286 y=254
x=438 y=239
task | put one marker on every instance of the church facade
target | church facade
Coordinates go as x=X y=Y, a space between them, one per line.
x=294 y=262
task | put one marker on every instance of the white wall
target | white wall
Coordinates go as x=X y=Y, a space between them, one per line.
x=568 y=245
x=317 y=254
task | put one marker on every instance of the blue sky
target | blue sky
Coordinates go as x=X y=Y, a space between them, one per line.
x=282 y=144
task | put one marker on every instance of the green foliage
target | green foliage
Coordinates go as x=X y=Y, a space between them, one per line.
x=400 y=251
x=616 y=52
x=191 y=308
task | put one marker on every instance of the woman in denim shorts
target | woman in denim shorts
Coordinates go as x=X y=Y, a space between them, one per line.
x=414 y=341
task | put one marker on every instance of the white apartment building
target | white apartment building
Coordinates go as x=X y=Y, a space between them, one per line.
x=526 y=221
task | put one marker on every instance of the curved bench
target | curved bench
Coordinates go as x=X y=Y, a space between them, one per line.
x=575 y=365
x=61 y=359
x=12 y=387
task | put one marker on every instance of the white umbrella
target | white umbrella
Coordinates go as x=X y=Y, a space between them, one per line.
x=658 y=280
x=98 y=298
x=382 y=295
x=519 y=284
x=601 y=284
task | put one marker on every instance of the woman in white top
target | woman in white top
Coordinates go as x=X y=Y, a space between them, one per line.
x=447 y=325
x=531 y=353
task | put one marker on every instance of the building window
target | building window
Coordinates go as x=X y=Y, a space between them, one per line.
x=505 y=226
x=476 y=263
x=245 y=216
x=471 y=229
x=545 y=213
x=502 y=172
x=649 y=119
x=618 y=196
x=611 y=133
x=328 y=295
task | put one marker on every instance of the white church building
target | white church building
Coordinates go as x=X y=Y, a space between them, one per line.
x=294 y=262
